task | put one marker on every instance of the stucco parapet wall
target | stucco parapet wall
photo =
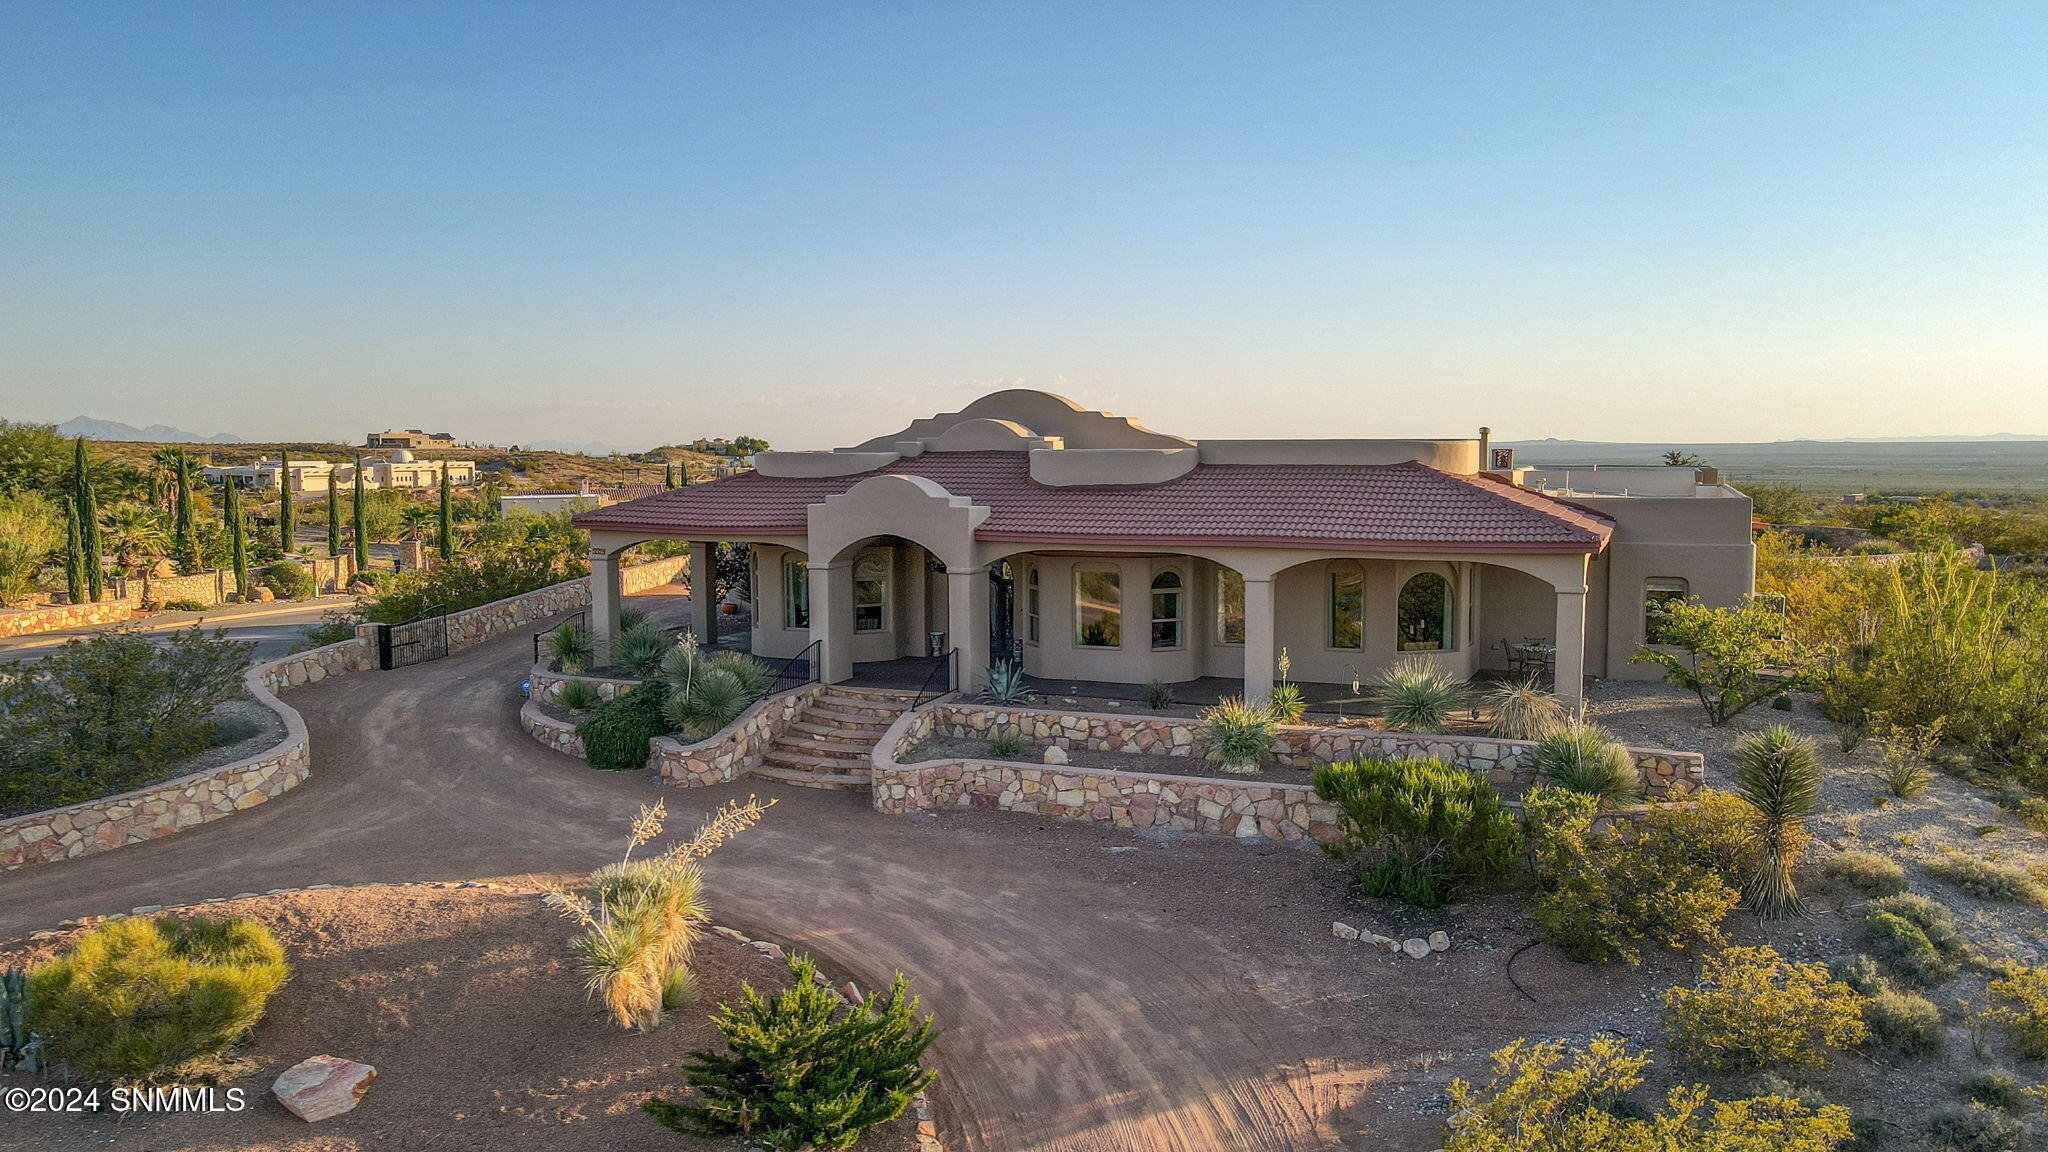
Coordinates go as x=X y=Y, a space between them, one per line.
x=717 y=759
x=160 y=809
x=1458 y=457
x=812 y=464
x=1078 y=467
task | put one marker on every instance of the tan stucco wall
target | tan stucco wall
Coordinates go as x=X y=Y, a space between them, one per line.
x=1706 y=541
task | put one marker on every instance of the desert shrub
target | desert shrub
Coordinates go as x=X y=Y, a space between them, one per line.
x=571 y=647
x=615 y=736
x=1725 y=654
x=2033 y=812
x=30 y=530
x=1859 y=972
x=638 y=650
x=1997 y=1088
x=148 y=999
x=1158 y=695
x=1007 y=744
x=1904 y=1023
x=1286 y=703
x=578 y=696
x=1753 y=1009
x=631 y=618
x=287 y=580
x=1583 y=758
x=1006 y=685
x=1974 y=1127
x=1522 y=710
x=1778 y=775
x=1415 y=695
x=20 y=1047
x=706 y=694
x=2020 y=1006
x=233 y=730
x=111 y=712
x=1554 y=1096
x=187 y=604
x=1914 y=937
x=804 y=1070
x=336 y=625
x=1908 y=751
x=1237 y=734
x=500 y=559
x=1420 y=831
x=1602 y=894
x=1866 y=872
x=1989 y=880
x=640 y=917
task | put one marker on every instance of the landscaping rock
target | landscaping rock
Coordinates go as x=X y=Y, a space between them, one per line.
x=1439 y=941
x=1343 y=931
x=1383 y=943
x=1055 y=755
x=769 y=949
x=1415 y=947
x=322 y=1086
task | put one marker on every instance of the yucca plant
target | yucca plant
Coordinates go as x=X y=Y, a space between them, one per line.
x=1582 y=758
x=1158 y=695
x=631 y=618
x=1417 y=696
x=1523 y=710
x=1778 y=775
x=707 y=693
x=639 y=650
x=752 y=674
x=570 y=645
x=1006 y=684
x=1286 y=703
x=1238 y=734
x=578 y=695
x=1007 y=744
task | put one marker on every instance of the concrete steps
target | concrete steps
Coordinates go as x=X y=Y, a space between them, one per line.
x=829 y=745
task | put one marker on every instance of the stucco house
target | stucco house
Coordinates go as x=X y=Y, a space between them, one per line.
x=1095 y=549
x=401 y=469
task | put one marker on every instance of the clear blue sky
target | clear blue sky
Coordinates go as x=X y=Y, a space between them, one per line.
x=636 y=224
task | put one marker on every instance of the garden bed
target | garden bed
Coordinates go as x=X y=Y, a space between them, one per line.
x=469 y=1004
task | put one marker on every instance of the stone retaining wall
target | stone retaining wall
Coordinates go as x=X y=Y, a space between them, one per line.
x=1506 y=763
x=60 y=616
x=543 y=683
x=653 y=574
x=126 y=596
x=717 y=759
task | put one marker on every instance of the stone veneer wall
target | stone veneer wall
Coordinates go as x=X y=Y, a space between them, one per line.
x=329 y=574
x=174 y=805
x=543 y=683
x=717 y=759
x=653 y=574
x=473 y=626
x=58 y=616
x=1506 y=763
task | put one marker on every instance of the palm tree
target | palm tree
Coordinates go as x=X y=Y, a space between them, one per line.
x=1778 y=775
x=134 y=534
x=415 y=517
x=166 y=472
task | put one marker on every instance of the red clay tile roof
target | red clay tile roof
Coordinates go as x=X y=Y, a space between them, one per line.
x=1387 y=507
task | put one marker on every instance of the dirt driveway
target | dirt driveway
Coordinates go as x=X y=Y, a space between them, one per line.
x=1100 y=991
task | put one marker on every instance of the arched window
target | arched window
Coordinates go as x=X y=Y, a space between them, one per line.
x=1169 y=617
x=1347 y=605
x=1425 y=613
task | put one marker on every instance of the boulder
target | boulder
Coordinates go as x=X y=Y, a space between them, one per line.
x=261 y=594
x=1055 y=755
x=1439 y=941
x=1415 y=947
x=322 y=1086
x=1343 y=931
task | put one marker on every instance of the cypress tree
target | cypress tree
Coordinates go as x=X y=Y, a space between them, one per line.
x=88 y=525
x=683 y=474
x=74 y=555
x=184 y=541
x=238 y=536
x=287 y=515
x=333 y=518
x=444 y=534
x=362 y=537
x=668 y=475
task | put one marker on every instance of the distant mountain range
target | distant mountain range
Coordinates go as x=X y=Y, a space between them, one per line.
x=93 y=429
x=1993 y=438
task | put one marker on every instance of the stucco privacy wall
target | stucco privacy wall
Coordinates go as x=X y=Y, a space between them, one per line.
x=717 y=759
x=1506 y=763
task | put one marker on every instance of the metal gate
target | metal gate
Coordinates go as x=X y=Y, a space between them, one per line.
x=415 y=641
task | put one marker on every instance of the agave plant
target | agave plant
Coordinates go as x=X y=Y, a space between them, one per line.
x=1777 y=774
x=639 y=650
x=1417 y=696
x=1238 y=734
x=1582 y=758
x=1522 y=710
x=1006 y=684
x=570 y=645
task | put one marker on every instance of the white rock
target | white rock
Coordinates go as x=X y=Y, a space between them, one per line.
x=1415 y=947
x=1055 y=755
x=1344 y=931
x=322 y=1086
x=769 y=949
x=1439 y=941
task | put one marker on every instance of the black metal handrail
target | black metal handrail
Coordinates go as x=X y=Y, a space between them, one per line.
x=810 y=669
x=945 y=664
x=543 y=634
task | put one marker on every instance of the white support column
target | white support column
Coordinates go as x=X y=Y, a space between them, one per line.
x=704 y=591
x=604 y=605
x=967 y=624
x=1258 y=640
x=1571 y=648
x=831 y=588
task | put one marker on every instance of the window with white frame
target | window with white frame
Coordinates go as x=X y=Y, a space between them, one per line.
x=1347 y=605
x=871 y=592
x=796 y=593
x=1031 y=604
x=1169 y=617
x=1229 y=606
x=1660 y=592
x=1098 y=608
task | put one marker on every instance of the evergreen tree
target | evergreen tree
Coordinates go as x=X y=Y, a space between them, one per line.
x=444 y=531
x=362 y=535
x=683 y=474
x=184 y=541
x=333 y=518
x=88 y=524
x=668 y=476
x=74 y=555
x=238 y=536
x=287 y=514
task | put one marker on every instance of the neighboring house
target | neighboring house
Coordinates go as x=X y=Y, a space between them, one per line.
x=1093 y=548
x=408 y=438
x=399 y=470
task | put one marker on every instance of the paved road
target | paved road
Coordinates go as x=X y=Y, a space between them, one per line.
x=275 y=628
x=1099 y=992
